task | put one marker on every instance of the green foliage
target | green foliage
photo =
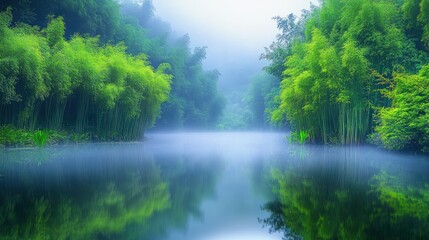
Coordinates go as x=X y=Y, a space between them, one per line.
x=99 y=17
x=80 y=137
x=416 y=16
x=40 y=138
x=260 y=99
x=405 y=124
x=10 y=136
x=300 y=137
x=13 y=137
x=55 y=32
x=251 y=109
x=194 y=99
x=292 y=30
x=423 y=19
x=238 y=115
x=76 y=84
x=337 y=77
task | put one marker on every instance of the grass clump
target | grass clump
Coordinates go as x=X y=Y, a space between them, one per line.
x=300 y=137
x=40 y=138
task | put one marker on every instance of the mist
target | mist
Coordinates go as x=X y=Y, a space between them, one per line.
x=210 y=186
x=235 y=32
x=203 y=66
x=157 y=120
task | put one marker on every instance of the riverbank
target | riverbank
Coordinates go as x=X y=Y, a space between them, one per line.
x=14 y=137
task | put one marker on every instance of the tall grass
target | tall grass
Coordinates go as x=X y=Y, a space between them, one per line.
x=300 y=137
x=40 y=138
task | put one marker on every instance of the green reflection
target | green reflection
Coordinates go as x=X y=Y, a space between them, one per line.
x=190 y=181
x=320 y=195
x=407 y=201
x=101 y=196
x=101 y=208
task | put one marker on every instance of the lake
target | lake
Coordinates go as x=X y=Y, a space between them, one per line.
x=209 y=186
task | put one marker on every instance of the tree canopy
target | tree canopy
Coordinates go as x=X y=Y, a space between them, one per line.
x=346 y=64
x=101 y=66
x=51 y=82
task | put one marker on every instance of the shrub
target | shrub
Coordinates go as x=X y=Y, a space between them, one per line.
x=40 y=138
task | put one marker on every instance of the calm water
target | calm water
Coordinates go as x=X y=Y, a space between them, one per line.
x=212 y=186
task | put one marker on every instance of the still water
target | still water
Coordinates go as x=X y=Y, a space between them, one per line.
x=212 y=186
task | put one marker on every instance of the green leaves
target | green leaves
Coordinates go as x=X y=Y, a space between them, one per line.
x=300 y=137
x=102 y=89
x=338 y=75
x=423 y=19
x=40 y=138
x=55 y=32
x=8 y=77
x=405 y=125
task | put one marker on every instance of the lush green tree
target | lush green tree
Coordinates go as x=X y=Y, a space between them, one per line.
x=405 y=124
x=194 y=100
x=77 y=84
x=99 y=17
x=415 y=14
x=337 y=76
x=292 y=29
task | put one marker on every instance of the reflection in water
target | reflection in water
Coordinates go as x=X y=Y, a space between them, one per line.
x=107 y=193
x=349 y=193
x=211 y=186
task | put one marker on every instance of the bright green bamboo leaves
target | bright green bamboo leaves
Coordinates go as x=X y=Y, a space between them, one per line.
x=354 y=98
x=135 y=24
x=49 y=82
x=55 y=32
x=405 y=125
x=336 y=78
x=325 y=90
x=26 y=51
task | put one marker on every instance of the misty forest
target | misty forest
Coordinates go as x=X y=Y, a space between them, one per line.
x=147 y=119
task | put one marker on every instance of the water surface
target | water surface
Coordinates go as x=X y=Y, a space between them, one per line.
x=212 y=186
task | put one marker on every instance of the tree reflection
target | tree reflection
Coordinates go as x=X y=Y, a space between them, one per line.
x=339 y=196
x=190 y=180
x=124 y=197
x=101 y=208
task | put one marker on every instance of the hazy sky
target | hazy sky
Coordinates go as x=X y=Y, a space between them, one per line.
x=235 y=31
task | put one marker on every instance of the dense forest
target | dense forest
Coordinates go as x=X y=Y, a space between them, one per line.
x=105 y=67
x=344 y=72
x=355 y=71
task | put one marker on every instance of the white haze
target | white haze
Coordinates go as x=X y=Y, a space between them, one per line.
x=235 y=31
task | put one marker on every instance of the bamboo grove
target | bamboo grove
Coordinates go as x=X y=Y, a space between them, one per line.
x=78 y=85
x=345 y=63
x=130 y=27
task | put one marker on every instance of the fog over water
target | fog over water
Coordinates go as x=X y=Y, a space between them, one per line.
x=206 y=186
x=235 y=32
x=220 y=185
